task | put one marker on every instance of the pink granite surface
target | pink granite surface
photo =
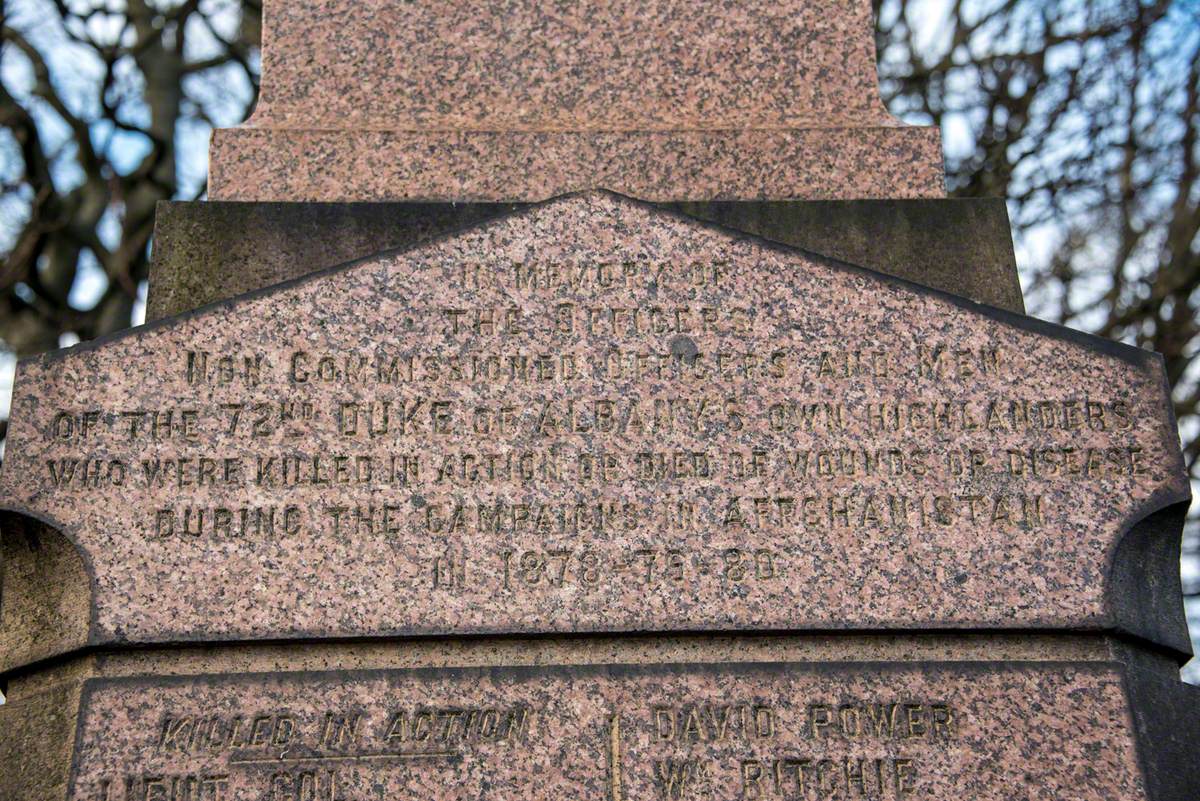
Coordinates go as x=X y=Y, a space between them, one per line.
x=537 y=65
x=525 y=99
x=984 y=733
x=813 y=164
x=592 y=416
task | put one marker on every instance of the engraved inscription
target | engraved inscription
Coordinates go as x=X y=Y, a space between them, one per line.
x=656 y=426
x=655 y=732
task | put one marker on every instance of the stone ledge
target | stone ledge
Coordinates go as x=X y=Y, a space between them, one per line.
x=287 y=164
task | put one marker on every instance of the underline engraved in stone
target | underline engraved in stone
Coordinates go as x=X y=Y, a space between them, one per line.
x=614 y=758
x=345 y=757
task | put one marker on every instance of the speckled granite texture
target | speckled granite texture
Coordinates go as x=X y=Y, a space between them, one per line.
x=983 y=733
x=968 y=710
x=661 y=99
x=593 y=415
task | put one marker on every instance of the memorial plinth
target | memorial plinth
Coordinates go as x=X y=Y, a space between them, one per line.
x=664 y=100
x=666 y=731
x=594 y=416
x=757 y=487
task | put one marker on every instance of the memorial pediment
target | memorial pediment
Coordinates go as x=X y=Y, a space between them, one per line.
x=597 y=416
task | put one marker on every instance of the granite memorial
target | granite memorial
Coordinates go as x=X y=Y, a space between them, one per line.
x=525 y=100
x=482 y=445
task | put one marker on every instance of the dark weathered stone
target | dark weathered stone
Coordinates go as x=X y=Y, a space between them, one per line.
x=210 y=251
x=962 y=246
x=45 y=592
x=1166 y=720
x=205 y=252
x=37 y=739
